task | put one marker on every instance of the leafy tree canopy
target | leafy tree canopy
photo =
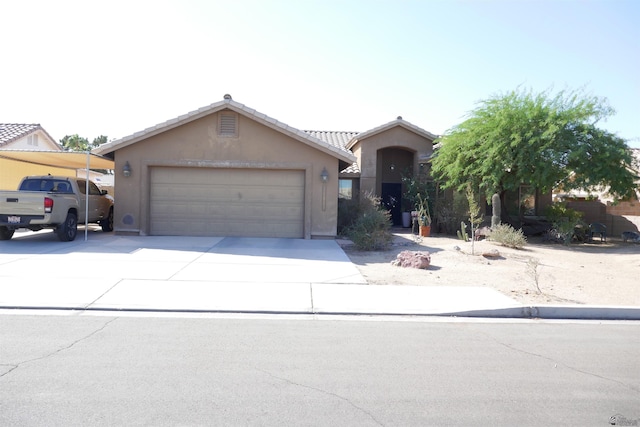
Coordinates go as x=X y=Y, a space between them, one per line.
x=538 y=139
x=77 y=143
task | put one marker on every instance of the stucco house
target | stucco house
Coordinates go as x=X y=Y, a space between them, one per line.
x=32 y=137
x=228 y=170
x=383 y=155
x=17 y=136
x=600 y=206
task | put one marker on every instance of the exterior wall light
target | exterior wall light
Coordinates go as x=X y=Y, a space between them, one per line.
x=126 y=169
x=324 y=176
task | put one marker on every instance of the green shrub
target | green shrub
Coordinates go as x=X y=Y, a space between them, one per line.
x=559 y=212
x=507 y=236
x=371 y=230
x=451 y=212
x=567 y=223
x=348 y=211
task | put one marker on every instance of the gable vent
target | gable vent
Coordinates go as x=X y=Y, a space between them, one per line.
x=228 y=124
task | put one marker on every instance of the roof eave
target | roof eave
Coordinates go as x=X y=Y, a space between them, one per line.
x=117 y=144
x=301 y=136
x=398 y=122
x=35 y=128
x=238 y=108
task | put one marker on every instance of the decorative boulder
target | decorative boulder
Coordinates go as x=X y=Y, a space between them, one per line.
x=482 y=233
x=412 y=259
x=493 y=253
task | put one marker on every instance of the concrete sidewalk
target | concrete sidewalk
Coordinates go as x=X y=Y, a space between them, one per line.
x=203 y=274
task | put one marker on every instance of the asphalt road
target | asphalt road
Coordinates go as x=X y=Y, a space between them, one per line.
x=97 y=370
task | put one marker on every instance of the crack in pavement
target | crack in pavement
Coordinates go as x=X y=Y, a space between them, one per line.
x=324 y=392
x=13 y=367
x=86 y=307
x=187 y=265
x=558 y=363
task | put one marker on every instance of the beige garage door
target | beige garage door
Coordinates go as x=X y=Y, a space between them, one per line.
x=227 y=202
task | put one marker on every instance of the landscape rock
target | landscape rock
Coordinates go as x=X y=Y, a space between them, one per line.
x=412 y=259
x=482 y=233
x=493 y=253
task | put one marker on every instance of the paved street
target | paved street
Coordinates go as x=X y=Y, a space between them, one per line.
x=90 y=369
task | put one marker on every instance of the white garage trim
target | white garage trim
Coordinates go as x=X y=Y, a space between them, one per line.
x=202 y=201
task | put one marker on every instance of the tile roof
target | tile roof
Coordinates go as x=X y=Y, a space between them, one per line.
x=10 y=132
x=340 y=140
x=338 y=143
x=337 y=139
x=352 y=169
x=227 y=103
x=398 y=122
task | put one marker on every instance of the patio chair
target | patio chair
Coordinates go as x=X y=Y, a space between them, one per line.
x=597 y=228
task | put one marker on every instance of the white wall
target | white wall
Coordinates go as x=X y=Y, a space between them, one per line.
x=43 y=143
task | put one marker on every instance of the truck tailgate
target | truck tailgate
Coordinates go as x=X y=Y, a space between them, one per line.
x=22 y=202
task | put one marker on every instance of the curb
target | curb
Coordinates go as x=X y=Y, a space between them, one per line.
x=526 y=312
x=556 y=312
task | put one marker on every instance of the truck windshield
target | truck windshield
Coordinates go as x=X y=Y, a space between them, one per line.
x=43 y=184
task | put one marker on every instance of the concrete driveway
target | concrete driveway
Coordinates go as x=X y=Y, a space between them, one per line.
x=168 y=273
x=214 y=274
x=223 y=274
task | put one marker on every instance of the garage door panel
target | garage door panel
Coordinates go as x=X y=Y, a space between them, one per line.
x=191 y=227
x=227 y=202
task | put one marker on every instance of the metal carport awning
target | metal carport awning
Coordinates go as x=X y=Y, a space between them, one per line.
x=63 y=159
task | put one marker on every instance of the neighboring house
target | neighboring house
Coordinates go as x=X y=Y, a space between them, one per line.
x=228 y=170
x=26 y=137
x=603 y=195
x=14 y=136
x=599 y=206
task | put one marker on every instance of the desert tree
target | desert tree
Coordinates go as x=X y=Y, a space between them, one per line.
x=541 y=140
x=76 y=142
x=475 y=215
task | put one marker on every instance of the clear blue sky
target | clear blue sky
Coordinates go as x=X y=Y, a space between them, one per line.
x=118 y=67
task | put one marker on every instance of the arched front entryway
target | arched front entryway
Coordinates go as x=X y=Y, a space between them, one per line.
x=392 y=165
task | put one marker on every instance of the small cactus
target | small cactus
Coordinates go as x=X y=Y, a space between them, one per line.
x=496 y=207
x=462 y=233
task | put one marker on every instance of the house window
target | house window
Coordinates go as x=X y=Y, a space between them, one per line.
x=528 y=200
x=522 y=202
x=32 y=139
x=228 y=124
x=345 y=189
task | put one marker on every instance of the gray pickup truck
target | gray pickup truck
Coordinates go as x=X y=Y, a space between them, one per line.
x=54 y=202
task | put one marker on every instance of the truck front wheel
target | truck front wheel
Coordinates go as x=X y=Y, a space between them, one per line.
x=68 y=229
x=5 y=233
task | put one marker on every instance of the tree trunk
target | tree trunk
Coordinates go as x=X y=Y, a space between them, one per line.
x=504 y=213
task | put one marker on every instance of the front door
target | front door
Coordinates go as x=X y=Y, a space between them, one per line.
x=392 y=200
